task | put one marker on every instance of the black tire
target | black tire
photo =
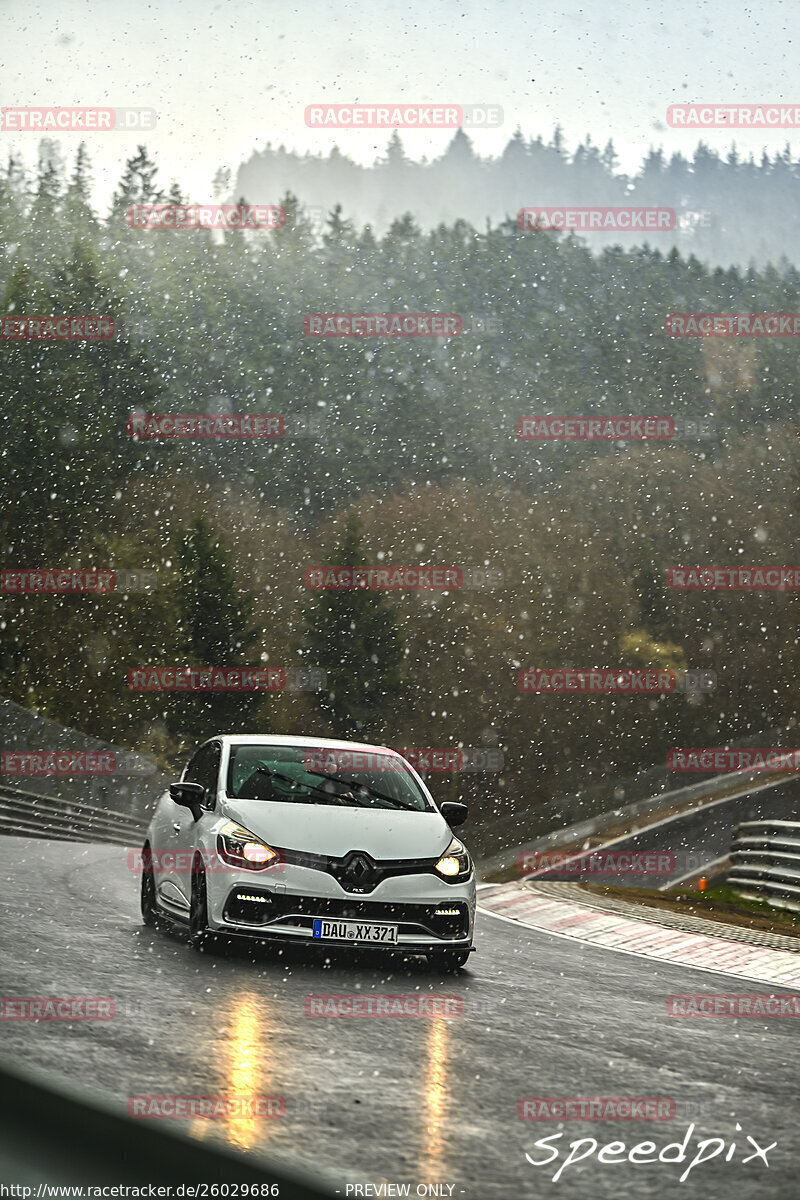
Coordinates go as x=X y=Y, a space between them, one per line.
x=448 y=960
x=199 y=933
x=148 y=890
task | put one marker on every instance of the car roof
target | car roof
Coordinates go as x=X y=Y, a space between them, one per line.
x=277 y=739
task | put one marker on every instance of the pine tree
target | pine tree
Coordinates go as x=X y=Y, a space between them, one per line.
x=77 y=201
x=353 y=637
x=63 y=412
x=222 y=183
x=297 y=234
x=215 y=631
x=14 y=198
x=137 y=186
x=42 y=244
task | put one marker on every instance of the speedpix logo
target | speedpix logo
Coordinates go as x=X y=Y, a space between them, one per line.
x=644 y=1153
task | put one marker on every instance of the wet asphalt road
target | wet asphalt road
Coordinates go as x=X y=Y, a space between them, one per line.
x=417 y=1100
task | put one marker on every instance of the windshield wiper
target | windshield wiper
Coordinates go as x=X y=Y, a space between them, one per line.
x=365 y=787
x=329 y=796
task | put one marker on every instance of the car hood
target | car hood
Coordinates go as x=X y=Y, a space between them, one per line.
x=323 y=829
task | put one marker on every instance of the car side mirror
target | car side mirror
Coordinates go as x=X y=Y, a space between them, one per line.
x=454 y=813
x=190 y=795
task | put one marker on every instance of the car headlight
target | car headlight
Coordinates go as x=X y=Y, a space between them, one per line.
x=239 y=847
x=455 y=863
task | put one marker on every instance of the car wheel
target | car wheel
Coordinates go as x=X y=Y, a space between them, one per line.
x=448 y=960
x=148 y=892
x=199 y=933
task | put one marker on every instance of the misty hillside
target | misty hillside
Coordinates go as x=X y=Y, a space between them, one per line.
x=732 y=209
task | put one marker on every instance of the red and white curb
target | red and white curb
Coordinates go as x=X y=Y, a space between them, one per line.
x=565 y=918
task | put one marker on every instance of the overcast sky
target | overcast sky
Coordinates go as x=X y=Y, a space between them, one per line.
x=227 y=77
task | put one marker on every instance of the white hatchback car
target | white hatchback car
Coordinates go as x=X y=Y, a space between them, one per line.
x=307 y=841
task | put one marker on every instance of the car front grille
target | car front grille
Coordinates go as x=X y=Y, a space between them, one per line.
x=357 y=872
x=250 y=906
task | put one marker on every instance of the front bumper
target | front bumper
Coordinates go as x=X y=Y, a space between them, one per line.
x=430 y=914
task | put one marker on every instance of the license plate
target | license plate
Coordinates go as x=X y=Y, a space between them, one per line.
x=355 y=931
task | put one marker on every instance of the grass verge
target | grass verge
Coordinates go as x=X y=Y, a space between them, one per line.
x=717 y=903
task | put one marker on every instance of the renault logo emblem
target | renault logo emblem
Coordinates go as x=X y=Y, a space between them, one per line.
x=358 y=872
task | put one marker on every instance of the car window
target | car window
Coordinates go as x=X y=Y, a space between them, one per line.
x=204 y=769
x=310 y=775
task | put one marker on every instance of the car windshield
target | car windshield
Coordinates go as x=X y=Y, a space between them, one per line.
x=316 y=775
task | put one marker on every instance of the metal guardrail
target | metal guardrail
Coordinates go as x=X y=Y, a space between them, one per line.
x=29 y=814
x=765 y=858
x=130 y=791
x=598 y=805
x=721 y=786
